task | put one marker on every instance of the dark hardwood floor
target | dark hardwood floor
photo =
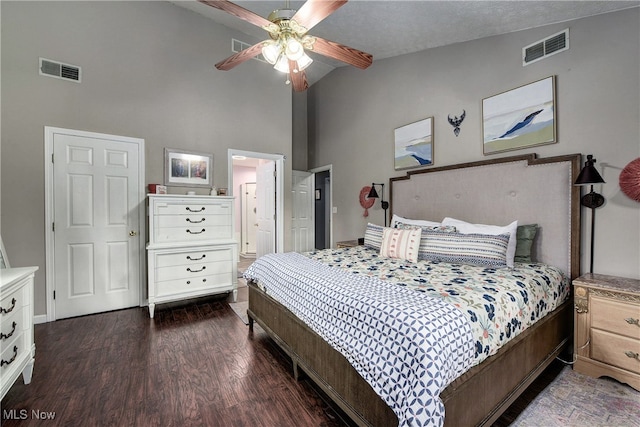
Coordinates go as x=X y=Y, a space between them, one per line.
x=193 y=365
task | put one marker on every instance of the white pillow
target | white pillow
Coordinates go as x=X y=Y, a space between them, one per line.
x=395 y=219
x=464 y=227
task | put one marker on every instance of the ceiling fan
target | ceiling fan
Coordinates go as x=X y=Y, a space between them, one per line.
x=287 y=29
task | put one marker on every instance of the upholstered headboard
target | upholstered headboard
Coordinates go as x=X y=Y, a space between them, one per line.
x=499 y=191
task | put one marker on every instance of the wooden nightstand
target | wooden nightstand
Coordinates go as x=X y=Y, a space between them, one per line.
x=607 y=327
x=348 y=243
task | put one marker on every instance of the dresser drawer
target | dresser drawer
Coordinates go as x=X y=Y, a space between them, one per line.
x=193 y=258
x=164 y=221
x=12 y=352
x=13 y=300
x=192 y=270
x=615 y=350
x=11 y=326
x=193 y=233
x=194 y=284
x=185 y=207
x=614 y=316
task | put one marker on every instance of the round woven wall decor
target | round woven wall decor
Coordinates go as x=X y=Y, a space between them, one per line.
x=630 y=180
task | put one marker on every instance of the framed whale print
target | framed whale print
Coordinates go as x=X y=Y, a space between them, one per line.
x=520 y=118
x=413 y=145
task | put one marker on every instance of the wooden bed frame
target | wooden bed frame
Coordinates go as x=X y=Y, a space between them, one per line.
x=479 y=396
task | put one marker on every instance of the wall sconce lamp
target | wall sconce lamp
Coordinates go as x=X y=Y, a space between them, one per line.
x=373 y=194
x=588 y=176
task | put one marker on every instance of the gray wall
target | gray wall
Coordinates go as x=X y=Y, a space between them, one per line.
x=352 y=115
x=147 y=72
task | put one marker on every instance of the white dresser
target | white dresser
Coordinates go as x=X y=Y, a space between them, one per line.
x=17 y=346
x=192 y=250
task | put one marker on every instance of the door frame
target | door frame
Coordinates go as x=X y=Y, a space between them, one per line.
x=328 y=168
x=49 y=209
x=279 y=161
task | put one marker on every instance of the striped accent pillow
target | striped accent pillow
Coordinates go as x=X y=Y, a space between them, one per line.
x=373 y=236
x=424 y=245
x=476 y=249
x=403 y=244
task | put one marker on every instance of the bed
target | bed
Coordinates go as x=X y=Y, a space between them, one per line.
x=525 y=188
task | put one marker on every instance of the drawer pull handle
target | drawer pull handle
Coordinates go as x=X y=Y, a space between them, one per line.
x=4 y=337
x=193 y=210
x=8 y=362
x=195 y=232
x=632 y=355
x=196 y=271
x=632 y=321
x=196 y=259
x=195 y=222
x=9 y=310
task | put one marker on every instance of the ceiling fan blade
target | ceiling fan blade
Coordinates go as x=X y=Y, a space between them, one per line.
x=314 y=11
x=342 y=53
x=298 y=79
x=238 y=11
x=240 y=57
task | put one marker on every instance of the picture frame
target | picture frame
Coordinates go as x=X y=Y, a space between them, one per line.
x=4 y=261
x=520 y=118
x=413 y=145
x=187 y=168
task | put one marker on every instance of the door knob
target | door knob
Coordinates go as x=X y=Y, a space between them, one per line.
x=133 y=233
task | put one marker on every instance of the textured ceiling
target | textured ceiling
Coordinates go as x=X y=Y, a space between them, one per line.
x=390 y=28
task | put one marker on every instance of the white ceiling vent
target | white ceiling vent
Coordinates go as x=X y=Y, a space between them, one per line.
x=238 y=46
x=59 y=70
x=544 y=48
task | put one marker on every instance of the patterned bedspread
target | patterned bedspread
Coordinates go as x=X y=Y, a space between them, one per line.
x=499 y=302
x=387 y=332
x=407 y=345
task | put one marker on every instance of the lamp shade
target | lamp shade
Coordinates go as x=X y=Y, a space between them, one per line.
x=589 y=174
x=373 y=194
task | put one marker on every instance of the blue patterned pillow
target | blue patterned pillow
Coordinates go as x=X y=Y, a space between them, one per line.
x=476 y=249
x=373 y=236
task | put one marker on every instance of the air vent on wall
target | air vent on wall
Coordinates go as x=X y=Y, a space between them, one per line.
x=59 y=70
x=544 y=48
x=238 y=46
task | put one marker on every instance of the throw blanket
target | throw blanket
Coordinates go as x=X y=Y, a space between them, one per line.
x=407 y=345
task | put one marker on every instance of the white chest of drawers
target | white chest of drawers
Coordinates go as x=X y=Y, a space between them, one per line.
x=17 y=347
x=191 y=251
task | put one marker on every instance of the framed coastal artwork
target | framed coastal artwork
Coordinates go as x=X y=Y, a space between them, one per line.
x=413 y=145
x=4 y=261
x=187 y=168
x=520 y=118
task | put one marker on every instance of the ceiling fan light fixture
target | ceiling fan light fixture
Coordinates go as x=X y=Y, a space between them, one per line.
x=271 y=51
x=293 y=49
x=282 y=64
x=304 y=62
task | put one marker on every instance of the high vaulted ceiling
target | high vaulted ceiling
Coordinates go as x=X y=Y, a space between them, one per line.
x=390 y=28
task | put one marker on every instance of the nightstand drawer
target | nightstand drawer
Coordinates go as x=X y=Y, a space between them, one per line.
x=615 y=350
x=614 y=316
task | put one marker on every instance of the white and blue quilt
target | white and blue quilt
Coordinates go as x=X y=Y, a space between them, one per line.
x=407 y=345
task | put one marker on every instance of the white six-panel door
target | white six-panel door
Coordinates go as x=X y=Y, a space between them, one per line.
x=302 y=221
x=266 y=208
x=97 y=227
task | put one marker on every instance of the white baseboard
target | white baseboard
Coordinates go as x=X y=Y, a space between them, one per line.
x=40 y=318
